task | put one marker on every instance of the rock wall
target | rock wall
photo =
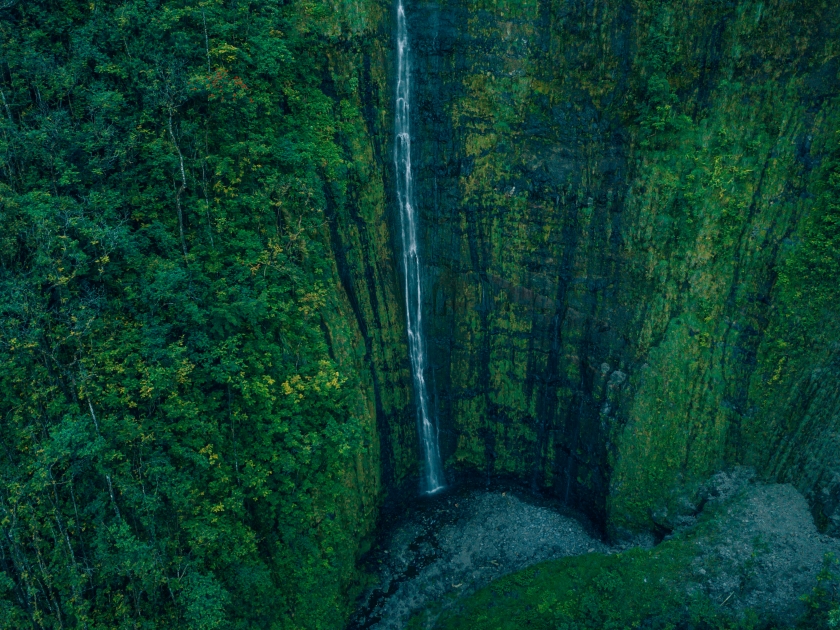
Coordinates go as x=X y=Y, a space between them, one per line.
x=617 y=201
x=361 y=233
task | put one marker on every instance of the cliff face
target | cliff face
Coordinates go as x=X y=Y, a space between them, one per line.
x=630 y=231
x=361 y=232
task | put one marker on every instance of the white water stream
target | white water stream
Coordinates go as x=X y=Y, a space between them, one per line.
x=432 y=478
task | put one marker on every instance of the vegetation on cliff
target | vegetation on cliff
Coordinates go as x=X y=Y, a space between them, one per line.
x=184 y=441
x=634 y=287
x=630 y=222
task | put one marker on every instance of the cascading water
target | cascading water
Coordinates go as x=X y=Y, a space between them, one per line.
x=432 y=477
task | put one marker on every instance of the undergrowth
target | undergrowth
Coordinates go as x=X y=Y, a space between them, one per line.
x=641 y=588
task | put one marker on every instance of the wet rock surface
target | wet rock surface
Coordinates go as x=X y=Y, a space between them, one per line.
x=545 y=205
x=452 y=544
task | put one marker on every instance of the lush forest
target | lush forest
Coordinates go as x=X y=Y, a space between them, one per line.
x=630 y=233
x=179 y=447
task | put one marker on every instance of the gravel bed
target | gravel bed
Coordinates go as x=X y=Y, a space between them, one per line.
x=763 y=551
x=459 y=542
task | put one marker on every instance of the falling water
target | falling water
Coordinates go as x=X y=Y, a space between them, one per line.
x=432 y=479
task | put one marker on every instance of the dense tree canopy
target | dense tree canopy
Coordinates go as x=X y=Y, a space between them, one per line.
x=174 y=429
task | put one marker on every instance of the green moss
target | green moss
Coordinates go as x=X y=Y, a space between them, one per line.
x=637 y=588
x=795 y=381
x=631 y=177
x=673 y=585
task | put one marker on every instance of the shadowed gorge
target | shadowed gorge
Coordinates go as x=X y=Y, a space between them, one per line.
x=269 y=267
x=622 y=193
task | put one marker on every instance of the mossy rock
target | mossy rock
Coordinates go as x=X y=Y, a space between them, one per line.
x=747 y=563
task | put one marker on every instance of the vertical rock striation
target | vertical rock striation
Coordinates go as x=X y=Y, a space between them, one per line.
x=619 y=196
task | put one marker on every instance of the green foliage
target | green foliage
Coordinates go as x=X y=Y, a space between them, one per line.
x=638 y=588
x=179 y=445
x=713 y=213
x=632 y=178
x=808 y=277
x=801 y=344
x=659 y=588
x=824 y=601
x=659 y=116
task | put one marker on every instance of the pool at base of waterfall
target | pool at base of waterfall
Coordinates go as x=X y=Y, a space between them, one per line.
x=450 y=544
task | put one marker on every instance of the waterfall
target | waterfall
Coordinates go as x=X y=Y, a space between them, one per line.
x=432 y=477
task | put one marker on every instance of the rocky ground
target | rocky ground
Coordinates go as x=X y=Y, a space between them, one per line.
x=764 y=551
x=760 y=550
x=460 y=541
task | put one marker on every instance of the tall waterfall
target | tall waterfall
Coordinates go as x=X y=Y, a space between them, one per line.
x=432 y=476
